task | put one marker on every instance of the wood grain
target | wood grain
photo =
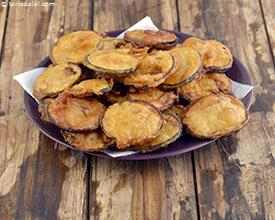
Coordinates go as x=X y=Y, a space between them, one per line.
x=235 y=176
x=3 y=19
x=158 y=189
x=38 y=179
x=269 y=17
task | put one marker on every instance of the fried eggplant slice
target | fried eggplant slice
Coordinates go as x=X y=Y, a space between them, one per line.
x=215 y=116
x=156 y=39
x=152 y=70
x=207 y=84
x=223 y=82
x=90 y=87
x=138 y=52
x=91 y=141
x=109 y=43
x=116 y=61
x=55 y=79
x=188 y=65
x=169 y=133
x=215 y=55
x=196 y=44
x=74 y=47
x=43 y=109
x=131 y=123
x=76 y=114
x=160 y=99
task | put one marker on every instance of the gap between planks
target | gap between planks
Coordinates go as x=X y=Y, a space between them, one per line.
x=88 y=185
x=266 y=32
x=192 y=152
x=4 y=30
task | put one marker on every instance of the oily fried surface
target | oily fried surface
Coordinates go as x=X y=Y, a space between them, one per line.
x=223 y=82
x=195 y=43
x=188 y=65
x=169 y=132
x=150 y=38
x=76 y=114
x=205 y=85
x=138 y=52
x=215 y=55
x=131 y=123
x=55 y=79
x=88 y=141
x=74 y=47
x=156 y=97
x=43 y=109
x=152 y=70
x=214 y=116
x=109 y=43
x=90 y=87
x=116 y=61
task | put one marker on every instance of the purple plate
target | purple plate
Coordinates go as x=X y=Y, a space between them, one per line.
x=184 y=144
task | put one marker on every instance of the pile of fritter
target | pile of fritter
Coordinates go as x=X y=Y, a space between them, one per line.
x=141 y=92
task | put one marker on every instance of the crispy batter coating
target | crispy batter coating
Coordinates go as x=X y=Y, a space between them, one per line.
x=169 y=133
x=131 y=123
x=156 y=97
x=195 y=43
x=152 y=70
x=43 y=109
x=88 y=141
x=214 y=116
x=138 y=52
x=215 y=55
x=114 y=61
x=109 y=43
x=55 y=79
x=188 y=65
x=90 y=87
x=222 y=80
x=157 y=39
x=205 y=85
x=76 y=114
x=74 y=47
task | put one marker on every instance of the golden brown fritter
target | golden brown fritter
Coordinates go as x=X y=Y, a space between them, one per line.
x=76 y=114
x=156 y=97
x=88 y=141
x=156 y=39
x=55 y=79
x=131 y=123
x=214 y=116
x=74 y=47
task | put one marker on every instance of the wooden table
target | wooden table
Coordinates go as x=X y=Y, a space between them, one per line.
x=233 y=178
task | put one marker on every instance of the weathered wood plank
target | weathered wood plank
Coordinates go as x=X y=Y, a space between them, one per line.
x=159 y=189
x=269 y=17
x=3 y=18
x=38 y=179
x=235 y=176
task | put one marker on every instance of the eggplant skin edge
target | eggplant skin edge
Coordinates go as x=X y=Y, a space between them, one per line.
x=133 y=141
x=166 y=143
